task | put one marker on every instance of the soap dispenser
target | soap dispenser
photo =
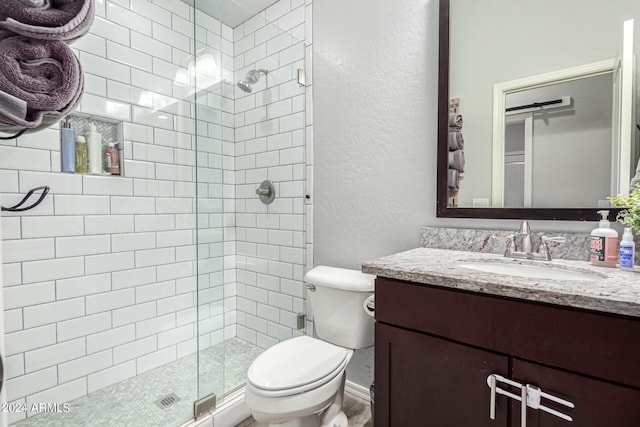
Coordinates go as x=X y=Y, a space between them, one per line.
x=603 y=245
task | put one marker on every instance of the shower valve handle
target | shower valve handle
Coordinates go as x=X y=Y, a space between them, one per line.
x=266 y=192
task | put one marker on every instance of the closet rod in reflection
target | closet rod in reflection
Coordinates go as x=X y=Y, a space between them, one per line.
x=535 y=105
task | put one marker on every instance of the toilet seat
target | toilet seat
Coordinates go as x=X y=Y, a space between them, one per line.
x=295 y=366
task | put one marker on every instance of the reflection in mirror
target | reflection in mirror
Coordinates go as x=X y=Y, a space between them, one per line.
x=569 y=155
x=555 y=136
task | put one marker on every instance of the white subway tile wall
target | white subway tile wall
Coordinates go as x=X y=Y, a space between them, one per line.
x=99 y=280
x=270 y=144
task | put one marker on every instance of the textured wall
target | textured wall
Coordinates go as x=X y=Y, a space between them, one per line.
x=372 y=161
x=374 y=137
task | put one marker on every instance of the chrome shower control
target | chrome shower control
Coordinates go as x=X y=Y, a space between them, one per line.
x=266 y=192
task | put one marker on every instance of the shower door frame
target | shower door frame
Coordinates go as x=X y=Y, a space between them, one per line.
x=3 y=392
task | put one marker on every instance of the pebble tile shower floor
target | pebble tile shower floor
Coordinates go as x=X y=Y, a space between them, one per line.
x=131 y=403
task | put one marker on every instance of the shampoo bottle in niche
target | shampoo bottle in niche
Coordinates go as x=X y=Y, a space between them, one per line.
x=113 y=159
x=68 y=147
x=81 y=154
x=603 y=245
x=94 y=142
x=627 y=250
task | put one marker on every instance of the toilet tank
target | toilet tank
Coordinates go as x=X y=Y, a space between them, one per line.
x=338 y=305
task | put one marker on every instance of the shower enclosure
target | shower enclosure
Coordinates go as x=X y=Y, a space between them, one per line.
x=127 y=299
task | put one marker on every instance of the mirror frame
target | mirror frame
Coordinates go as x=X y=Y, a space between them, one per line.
x=442 y=211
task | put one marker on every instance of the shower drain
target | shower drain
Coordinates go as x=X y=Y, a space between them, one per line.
x=167 y=400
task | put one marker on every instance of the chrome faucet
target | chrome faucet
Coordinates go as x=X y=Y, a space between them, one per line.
x=525 y=234
x=526 y=247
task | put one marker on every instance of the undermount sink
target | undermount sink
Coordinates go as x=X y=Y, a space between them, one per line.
x=532 y=271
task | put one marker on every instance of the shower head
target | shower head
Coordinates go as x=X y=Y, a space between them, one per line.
x=245 y=86
x=251 y=78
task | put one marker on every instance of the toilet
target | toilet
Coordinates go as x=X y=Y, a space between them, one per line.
x=300 y=382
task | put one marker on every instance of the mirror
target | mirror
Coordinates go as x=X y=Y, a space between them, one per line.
x=547 y=98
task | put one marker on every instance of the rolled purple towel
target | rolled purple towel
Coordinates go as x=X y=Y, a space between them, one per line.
x=453 y=179
x=456 y=141
x=41 y=81
x=455 y=121
x=456 y=160
x=47 y=19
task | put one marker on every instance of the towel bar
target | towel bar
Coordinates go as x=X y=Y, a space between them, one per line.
x=17 y=208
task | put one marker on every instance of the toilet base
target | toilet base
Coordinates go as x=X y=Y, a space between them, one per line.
x=340 y=420
x=309 y=421
x=332 y=416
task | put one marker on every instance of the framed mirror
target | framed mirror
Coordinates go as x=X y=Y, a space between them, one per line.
x=536 y=108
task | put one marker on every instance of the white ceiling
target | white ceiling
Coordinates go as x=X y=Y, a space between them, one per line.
x=234 y=12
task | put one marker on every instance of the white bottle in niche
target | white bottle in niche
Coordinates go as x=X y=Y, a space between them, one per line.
x=68 y=147
x=94 y=142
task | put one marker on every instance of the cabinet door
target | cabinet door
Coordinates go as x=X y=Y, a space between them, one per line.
x=425 y=381
x=597 y=403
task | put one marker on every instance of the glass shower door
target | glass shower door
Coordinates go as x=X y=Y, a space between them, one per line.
x=250 y=128
x=3 y=417
x=212 y=201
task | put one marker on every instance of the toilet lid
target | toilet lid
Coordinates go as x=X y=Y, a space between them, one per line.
x=295 y=362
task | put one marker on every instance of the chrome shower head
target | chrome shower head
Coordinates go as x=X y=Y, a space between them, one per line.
x=251 y=78
x=245 y=86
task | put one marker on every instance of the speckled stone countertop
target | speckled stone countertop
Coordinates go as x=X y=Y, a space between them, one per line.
x=611 y=290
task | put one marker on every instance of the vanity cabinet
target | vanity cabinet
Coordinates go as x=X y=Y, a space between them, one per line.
x=427 y=377
x=435 y=348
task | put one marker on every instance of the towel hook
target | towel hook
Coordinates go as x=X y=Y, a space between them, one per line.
x=17 y=208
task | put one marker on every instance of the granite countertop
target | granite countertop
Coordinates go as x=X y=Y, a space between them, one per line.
x=612 y=290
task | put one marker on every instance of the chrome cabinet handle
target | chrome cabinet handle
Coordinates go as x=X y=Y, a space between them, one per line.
x=492 y=405
x=523 y=407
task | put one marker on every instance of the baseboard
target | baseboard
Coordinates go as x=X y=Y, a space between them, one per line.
x=357 y=390
x=231 y=413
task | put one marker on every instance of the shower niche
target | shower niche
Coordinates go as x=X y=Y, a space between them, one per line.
x=80 y=134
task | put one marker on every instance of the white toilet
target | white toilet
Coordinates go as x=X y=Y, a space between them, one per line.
x=300 y=382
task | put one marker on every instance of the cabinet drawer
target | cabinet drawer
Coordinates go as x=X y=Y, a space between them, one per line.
x=597 y=344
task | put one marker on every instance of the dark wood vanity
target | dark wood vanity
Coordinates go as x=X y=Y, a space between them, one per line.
x=435 y=348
